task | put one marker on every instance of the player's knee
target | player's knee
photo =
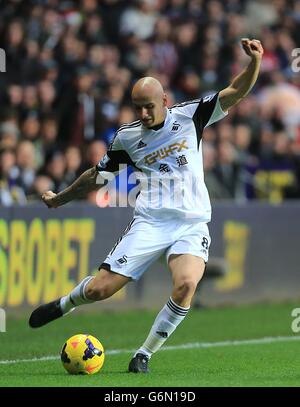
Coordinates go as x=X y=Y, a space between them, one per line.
x=185 y=288
x=97 y=291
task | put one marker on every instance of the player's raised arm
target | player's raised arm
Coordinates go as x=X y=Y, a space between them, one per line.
x=243 y=83
x=86 y=183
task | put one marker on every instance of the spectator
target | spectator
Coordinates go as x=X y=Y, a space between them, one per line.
x=11 y=191
x=9 y=135
x=79 y=110
x=215 y=188
x=139 y=20
x=26 y=164
x=73 y=164
x=42 y=183
x=55 y=169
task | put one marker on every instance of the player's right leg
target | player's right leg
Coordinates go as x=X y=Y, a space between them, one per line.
x=89 y=290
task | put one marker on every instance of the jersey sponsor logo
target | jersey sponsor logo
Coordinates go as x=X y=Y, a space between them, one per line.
x=165 y=152
x=181 y=160
x=164 y=168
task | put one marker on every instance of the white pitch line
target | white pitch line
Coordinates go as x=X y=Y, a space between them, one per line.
x=195 y=345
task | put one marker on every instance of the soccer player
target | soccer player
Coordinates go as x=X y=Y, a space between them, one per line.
x=164 y=144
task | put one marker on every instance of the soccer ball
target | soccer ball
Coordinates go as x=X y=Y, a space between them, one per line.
x=82 y=354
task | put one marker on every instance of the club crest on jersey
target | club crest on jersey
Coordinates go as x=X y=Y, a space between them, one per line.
x=176 y=126
x=165 y=152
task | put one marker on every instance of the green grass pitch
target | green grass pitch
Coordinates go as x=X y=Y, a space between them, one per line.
x=222 y=347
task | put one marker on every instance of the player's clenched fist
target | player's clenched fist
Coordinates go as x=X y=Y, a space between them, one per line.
x=47 y=197
x=253 y=48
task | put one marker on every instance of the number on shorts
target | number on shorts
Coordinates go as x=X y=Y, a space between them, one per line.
x=205 y=243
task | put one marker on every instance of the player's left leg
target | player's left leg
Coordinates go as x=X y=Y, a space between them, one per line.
x=187 y=270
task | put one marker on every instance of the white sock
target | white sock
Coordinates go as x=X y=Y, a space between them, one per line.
x=75 y=297
x=164 y=325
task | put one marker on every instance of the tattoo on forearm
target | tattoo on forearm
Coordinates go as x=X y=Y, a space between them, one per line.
x=79 y=189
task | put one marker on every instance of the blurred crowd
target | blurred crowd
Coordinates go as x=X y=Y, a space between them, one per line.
x=70 y=66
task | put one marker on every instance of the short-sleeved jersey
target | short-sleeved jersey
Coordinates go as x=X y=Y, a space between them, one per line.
x=169 y=160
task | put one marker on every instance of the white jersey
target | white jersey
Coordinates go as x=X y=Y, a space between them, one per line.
x=168 y=160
